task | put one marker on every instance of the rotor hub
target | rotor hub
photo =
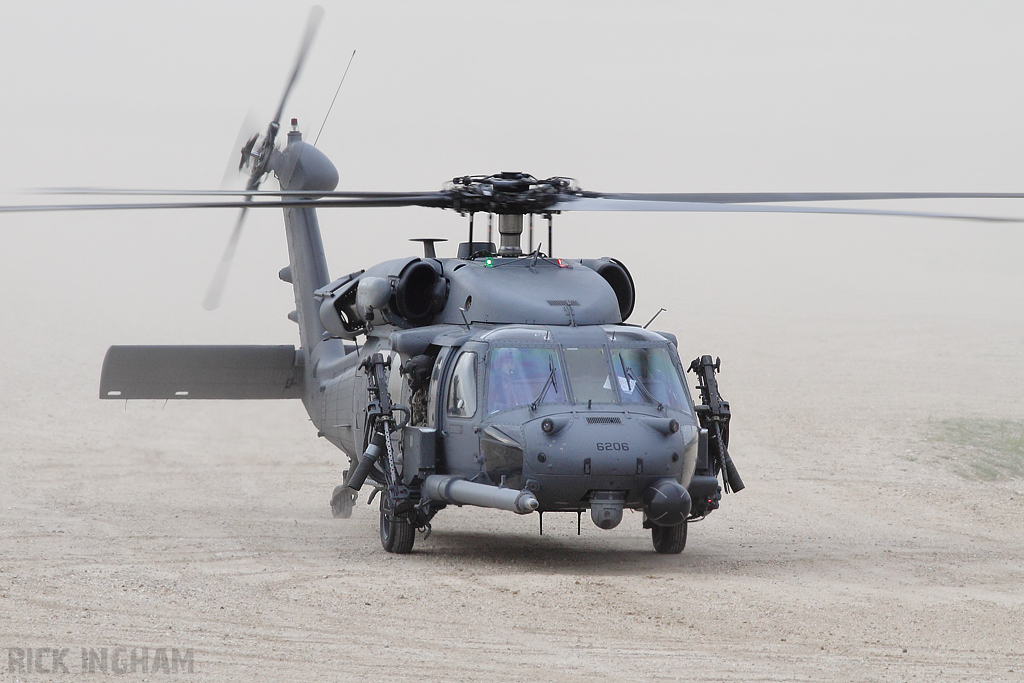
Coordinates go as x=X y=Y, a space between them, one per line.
x=508 y=193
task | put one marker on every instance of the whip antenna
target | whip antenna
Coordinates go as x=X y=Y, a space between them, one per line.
x=335 y=98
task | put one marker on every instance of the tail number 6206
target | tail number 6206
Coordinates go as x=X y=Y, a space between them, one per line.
x=613 y=446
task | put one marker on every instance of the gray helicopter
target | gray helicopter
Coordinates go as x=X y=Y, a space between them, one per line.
x=503 y=377
x=499 y=378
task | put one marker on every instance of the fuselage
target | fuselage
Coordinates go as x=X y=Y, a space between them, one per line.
x=561 y=411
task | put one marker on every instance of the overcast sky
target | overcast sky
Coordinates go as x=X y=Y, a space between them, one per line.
x=639 y=96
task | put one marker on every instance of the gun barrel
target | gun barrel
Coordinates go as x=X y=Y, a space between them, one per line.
x=732 y=475
x=366 y=462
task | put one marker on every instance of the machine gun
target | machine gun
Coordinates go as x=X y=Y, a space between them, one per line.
x=714 y=417
x=380 y=425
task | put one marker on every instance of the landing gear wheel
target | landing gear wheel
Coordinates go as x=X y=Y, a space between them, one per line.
x=342 y=501
x=396 y=535
x=669 y=540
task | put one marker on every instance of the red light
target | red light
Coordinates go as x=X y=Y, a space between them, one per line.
x=562 y=264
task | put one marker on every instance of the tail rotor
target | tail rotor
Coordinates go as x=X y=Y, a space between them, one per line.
x=255 y=158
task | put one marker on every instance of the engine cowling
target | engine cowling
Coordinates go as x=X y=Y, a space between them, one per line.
x=419 y=292
x=404 y=293
x=618 y=277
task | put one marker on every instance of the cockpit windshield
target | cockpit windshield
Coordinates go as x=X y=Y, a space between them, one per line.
x=647 y=375
x=522 y=377
x=594 y=375
x=588 y=372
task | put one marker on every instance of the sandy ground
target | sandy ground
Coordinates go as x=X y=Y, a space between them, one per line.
x=861 y=549
x=867 y=361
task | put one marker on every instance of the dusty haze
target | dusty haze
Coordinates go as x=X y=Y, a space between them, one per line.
x=874 y=366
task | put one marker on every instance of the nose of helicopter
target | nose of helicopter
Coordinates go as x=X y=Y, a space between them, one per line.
x=573 y=459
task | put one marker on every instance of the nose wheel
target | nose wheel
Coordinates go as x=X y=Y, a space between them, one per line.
x=396 y=533
x=669 y=540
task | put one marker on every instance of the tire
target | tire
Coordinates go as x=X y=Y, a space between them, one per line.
x=397 y=535
x=669 y=540
x=342 y=502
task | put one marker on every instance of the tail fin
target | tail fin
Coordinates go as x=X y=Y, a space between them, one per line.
x=300 y=166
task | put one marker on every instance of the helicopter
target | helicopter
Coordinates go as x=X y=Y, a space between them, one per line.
x=504 y=377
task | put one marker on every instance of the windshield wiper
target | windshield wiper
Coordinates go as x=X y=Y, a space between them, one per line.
x=628 y=374
x=551 y=381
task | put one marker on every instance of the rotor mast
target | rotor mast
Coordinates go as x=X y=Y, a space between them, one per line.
x=511 y=195
x=510 y=228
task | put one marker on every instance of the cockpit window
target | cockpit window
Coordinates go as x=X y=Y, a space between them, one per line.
x=647 y=375
x=435 y=383
x=523 y=376
x=462 y=390
x=589 y=375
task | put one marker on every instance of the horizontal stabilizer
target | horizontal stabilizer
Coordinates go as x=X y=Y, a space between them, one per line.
x=201 y=372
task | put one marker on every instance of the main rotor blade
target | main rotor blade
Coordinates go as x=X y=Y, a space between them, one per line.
x=315 y=15
x=114 y=192
x=220 y=276
x=681 y=197
x=431 y=200
x=444 y=200
x=765 y=197
x=604 y=204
